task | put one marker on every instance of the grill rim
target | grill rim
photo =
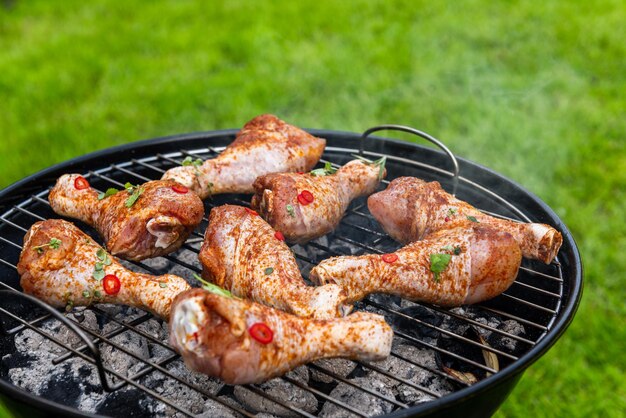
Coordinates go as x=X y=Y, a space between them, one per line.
x=569 y=302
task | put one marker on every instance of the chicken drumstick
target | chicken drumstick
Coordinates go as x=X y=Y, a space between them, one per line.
x=410 y=208
x=307 y=206
x=63 y=266
x=266 y=144
x=144 y=221
x=244 y=255
x=242 y=342
x=451 y=267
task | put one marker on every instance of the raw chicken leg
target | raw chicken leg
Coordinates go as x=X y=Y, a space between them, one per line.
x=451 y=267
x=410 y=208
x=156 y=222
x=307 y=206
x=265 y=145
x=244 y=255
x=63 y=266
x=242 y=342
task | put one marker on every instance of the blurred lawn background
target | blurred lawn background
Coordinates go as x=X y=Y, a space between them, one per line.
x=534 y=90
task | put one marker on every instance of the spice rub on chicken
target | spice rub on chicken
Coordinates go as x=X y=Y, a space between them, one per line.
x=264 y=145
x=244 y=255
x=64 y=267
x=241 y=341
x=308 y=205
x=140 y=222
x=410 y=208
x=453 y=267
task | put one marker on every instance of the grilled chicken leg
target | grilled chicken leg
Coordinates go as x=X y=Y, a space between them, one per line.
x=158 y=222
x=266 y=144
x=58 y=265
x=242 y=342
x=283 y=199
x=451 y=267
x=410 y=208
x=243 y=254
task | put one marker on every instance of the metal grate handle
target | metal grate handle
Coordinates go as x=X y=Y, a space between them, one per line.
x=402 y=128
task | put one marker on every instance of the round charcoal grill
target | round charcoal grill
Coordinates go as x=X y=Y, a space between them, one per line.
x=106 y=360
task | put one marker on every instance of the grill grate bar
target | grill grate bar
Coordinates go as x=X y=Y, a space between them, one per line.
x=105 y=336
x=324 y=396
x=398 y=379
x=536 y=289
x=538 y=273
x=446 y=352
x=429 y=369
x=530 y=304
x=443 y=331
x=11 y=243
x=478 y=324
x=513 y=317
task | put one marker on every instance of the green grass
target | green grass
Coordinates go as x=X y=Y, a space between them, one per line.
x=534 y=90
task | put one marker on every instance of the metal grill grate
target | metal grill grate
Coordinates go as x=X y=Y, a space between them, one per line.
x=533 y=301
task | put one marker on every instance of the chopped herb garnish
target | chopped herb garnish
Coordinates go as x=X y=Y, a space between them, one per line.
x=135 y=192
x=473 y=219
x=110 y=192
x=452 y=211
x=195 y=163
x=291 y=211
x=54 y=243
x=105 y=260
x=268 y=271
x=98 y=274
x=380 y=163
x=162 y=285
x=97 y=294
x=455 y=250
x=213 y=288
x=438 y=263
x=86 y=294
x=326 y=171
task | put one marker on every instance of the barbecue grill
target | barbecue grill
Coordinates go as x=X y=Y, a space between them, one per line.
x=444 y=362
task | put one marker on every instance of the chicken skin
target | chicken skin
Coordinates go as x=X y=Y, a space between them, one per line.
x=242 y=342
x=244 y=255
x=463 y=265
x=307 y=206
x=63 y=266
x=410 y=208
x=265 y=145
x=156 y=222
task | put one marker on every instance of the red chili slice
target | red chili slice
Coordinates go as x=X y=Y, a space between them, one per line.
x=307 y=195
x=261 y=332
x=81 y=183
x=279 y=236
x=302 y=200
x=179 y=188
x=111 y=284
x=390 y=258
x=252 y=212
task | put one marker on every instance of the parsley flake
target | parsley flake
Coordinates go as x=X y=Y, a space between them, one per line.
x=135 y=192
x=438 y=263
x=110 y=192
x=268 y=271
x=326 y=171
x=195 y=163
x=291 y=211
x=162 y=285
x=86 y=294
x=473 y=219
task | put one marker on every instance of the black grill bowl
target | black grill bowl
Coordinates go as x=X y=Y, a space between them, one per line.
x=544 y=298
